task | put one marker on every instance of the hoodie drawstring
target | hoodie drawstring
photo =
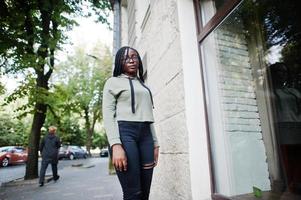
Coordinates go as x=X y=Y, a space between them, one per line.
x=133 y=94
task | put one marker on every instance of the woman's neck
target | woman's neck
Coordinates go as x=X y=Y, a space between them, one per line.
x=131 y=75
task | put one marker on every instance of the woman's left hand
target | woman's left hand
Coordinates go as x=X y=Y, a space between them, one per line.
x=156 y=155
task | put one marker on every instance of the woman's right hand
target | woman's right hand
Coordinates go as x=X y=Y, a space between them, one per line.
x=119 y=159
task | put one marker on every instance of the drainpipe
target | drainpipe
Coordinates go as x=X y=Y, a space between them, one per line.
x=116 y=46
x=116 y=27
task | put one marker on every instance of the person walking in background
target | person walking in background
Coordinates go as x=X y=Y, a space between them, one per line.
x=49 y=149
x=129 y=124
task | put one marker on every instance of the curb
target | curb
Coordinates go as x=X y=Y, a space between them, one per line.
x=80 y=165
x=21 y=181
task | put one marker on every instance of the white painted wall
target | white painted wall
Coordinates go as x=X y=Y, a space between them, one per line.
x=194 y=104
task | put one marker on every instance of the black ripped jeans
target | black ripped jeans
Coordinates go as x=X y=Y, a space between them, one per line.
x=138 y=144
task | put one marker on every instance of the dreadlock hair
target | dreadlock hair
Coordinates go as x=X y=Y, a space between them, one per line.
x=119 y=62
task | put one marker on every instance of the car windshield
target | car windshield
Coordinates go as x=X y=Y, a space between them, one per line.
x=20 y=150
x=5 y=149
x=63 y=148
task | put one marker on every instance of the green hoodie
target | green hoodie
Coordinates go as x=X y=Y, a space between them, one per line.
x=126 y=99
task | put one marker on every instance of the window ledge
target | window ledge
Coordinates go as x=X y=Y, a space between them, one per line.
x=265 y=196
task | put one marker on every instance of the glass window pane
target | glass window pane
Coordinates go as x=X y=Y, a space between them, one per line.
x=209 y=7
x=251 y=64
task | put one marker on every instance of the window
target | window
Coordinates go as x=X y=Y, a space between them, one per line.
x=208 y=8
x=252 y=75
x=210 y=13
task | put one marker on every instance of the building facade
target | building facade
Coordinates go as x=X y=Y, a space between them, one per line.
x=225 y=75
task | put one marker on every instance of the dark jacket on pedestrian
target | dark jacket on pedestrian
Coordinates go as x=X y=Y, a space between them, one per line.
x=49 y=148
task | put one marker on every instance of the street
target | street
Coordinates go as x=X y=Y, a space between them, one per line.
x=17 y=171
x=87 y=181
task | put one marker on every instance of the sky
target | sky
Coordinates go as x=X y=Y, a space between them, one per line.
x=88 y=32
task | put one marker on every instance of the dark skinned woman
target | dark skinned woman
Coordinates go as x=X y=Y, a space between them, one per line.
x=128 y=121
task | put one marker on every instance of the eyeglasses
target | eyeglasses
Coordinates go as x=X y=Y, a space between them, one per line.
x=128 y=59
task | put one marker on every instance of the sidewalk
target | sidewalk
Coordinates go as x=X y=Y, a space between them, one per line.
x=77 y=182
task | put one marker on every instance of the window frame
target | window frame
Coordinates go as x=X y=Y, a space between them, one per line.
x=203 y=30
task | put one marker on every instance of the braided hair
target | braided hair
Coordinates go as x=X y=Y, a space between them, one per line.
x=119 y=62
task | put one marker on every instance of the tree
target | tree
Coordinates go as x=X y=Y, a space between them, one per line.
x=100 y=140
x=280 y=26
x=2 y=89
x=30 y=33
x=84 y=85
x=12 y=132
x=69 y=130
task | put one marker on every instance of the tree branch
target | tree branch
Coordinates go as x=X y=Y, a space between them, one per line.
x=29 y=27
x=45 y=35
x=54 y=114
x=52 y=48
x=3 y=9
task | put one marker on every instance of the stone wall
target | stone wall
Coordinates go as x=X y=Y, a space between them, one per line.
x=159 y=40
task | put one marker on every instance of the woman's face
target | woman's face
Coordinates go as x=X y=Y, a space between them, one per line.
x=130 y=62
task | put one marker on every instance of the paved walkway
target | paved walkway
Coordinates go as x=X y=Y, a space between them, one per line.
x=13 y=172
x=90 y=181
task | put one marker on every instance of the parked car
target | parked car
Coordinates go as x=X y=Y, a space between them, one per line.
x=72 y=152
x=12 y=155
x=104 y=152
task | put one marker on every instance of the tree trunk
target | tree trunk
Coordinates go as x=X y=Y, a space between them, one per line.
x=41 y=83
x=89 y=131
x=34 y=140
x=89 y=140
x=35 y=134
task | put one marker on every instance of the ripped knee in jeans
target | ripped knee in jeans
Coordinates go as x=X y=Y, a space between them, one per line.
x=148 y=166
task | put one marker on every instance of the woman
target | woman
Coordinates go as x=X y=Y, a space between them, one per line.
x=288 y=104
x=128 y=120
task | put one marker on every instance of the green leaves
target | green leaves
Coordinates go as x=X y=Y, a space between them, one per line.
x=30 y=33
x=76 y=93
x=12 y=132
x=26 y=26
x=22 y=91
x=2 y=89
x=100 y=140
x=257 y=192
